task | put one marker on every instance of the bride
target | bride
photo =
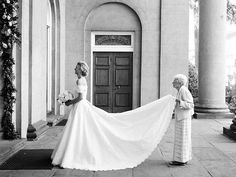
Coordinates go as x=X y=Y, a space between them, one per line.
x=96 y=140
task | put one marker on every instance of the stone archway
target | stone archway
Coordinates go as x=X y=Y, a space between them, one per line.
x=53 y=57
x=125 y=20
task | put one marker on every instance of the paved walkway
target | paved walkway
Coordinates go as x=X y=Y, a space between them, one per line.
x=214 y=155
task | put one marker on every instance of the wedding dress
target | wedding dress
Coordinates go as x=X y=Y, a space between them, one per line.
x=96 y=140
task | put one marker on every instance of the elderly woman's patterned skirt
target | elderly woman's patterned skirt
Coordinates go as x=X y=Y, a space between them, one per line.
x=182 y=142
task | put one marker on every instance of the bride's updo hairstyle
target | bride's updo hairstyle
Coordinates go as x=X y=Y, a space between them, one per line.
x=84 y=68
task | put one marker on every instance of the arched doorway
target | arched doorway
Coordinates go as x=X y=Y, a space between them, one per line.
x=53 y=57
x=115 y=52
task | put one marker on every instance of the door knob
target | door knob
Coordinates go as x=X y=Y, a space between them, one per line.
x=116 y=88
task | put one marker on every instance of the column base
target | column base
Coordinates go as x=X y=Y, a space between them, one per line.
x=210 y=109
x=204 y=112
x=35 y=130
x=199 y=115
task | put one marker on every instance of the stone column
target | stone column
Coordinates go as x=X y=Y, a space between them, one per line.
x=37 y=69
x=212 y=30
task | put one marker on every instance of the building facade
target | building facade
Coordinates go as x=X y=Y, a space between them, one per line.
x=133 y=49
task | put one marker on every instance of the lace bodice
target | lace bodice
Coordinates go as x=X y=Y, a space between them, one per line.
x=82 y=87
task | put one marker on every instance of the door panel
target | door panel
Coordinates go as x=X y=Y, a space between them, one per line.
x=122 y=93
x=102 y=99
x=102 y=77
x=122 y=77
x=102 y=81
x=122 y=61
x=113 y=81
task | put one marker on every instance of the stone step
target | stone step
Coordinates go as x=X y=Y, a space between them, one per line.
x=53 y=120
x=9 y=148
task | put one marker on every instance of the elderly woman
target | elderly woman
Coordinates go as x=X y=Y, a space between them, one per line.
x=183 y=114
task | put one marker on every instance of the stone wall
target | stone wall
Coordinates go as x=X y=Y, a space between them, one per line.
x=149 y=16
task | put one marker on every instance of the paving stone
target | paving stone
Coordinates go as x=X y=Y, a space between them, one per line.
x=217 y=138
x=186 y=172
x=114 y=173
x=224 y=122
x=166 y=150
x=70 y=176
x=226 y=147
x=152 y=168
x=207 y=126
x=155 y=165
x=220 y=168
x=73 y=172
x=200 y=142
x=192 y=169
x=204 y=131
x=26 y=173
x=214 y=155
x=232 y=156
x=156 y=155
x=209 y=153
x=167 y=156
x=166 y=147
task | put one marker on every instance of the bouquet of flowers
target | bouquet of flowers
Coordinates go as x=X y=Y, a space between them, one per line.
x=65 y=96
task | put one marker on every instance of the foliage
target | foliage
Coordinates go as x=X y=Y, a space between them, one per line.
x=228 y=94
x=193 y=80
x=231 y=10
x=230 y=98
x=232 y=104
x=9 y=35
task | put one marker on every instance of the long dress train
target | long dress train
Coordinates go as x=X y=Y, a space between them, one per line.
x=96 y=140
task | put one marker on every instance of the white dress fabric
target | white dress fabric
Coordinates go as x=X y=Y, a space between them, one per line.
x=183 y=116
x=96 y=140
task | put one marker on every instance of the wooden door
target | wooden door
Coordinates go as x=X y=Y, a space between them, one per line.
x=113 y=78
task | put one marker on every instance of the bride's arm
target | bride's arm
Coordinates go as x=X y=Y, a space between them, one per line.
x=74 y=101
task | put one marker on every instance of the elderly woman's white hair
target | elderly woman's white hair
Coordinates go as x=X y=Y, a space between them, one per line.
x=181 y=78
